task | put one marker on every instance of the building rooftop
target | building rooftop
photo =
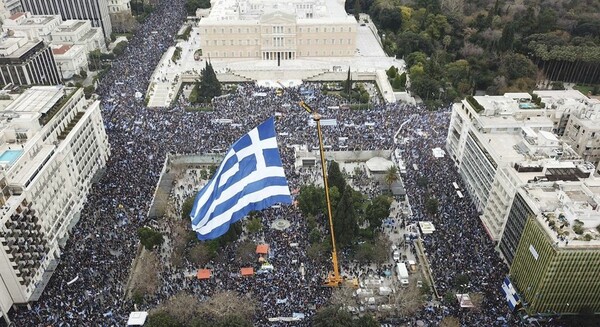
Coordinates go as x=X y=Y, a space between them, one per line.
x=16 y=15
x=568 y=211
x=37 y=99
x=15 y=46
x=62 y=49
x=252 y=10
x=70 y=26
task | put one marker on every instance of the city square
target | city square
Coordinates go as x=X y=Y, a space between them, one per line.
x=457 y=212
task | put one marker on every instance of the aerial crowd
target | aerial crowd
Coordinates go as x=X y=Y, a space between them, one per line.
x=103 y=244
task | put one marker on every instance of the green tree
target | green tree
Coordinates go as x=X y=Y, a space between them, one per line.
x=515 y=65
x=347 y=85
x=311 y=200
x=149 y=238
x=187 y=206
x=209 y=86
x=254 y=225
x=392 y=72
x=192 y=5
x=335 y=177
x=119 y=48
x=458 y=71
x=364 y=253
x=391 y=176
x=345 y=219
x=417 y=57
x=397 y=83
x=332 y=316
x=431 y=205
x=88 y=91
x=377 y=210
x=357 y=9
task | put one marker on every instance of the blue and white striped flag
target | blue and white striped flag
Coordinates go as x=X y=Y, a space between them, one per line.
x=251 y=177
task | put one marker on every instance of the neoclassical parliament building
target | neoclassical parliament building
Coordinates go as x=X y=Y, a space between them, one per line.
x=277 y=30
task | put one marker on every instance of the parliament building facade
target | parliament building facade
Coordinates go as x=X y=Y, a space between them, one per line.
x=271 y=30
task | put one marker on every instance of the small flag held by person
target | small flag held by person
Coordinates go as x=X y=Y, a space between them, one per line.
x=251 y=177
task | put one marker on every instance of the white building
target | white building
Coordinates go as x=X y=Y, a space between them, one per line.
x=115 y=6
x=275 y=30
x=11 y=7
x=33 y=26
x=79 y=32
x=70 y=59
x=52 y=144
x=580 y=123
x=504 y=146
x=95 y=11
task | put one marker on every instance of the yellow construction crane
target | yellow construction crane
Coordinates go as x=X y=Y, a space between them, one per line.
x=334 y=278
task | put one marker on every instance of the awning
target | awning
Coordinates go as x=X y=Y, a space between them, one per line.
x=262 y=249
x=247 y=271
x=203 y=274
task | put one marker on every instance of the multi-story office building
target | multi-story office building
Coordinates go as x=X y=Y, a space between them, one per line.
x=52 y=144
x=25 y=62
x=115 y=6
x=95 y=11
x=275 y=30
x=33 y=26
x=552 y=243
x=79 y=32
x=500 y=152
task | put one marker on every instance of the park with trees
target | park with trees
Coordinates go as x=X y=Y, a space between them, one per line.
x=453 y=48
x=357 y=219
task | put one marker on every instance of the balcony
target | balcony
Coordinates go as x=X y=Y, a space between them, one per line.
x=70 y=126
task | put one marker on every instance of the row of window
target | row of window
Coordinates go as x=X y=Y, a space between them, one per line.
x=254 y=54
x=281 y=30
x=278 y=42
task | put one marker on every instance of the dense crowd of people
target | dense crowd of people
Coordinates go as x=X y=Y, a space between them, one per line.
x=103 y=244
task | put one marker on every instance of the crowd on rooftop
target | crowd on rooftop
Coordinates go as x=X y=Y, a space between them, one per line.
x=104 y=242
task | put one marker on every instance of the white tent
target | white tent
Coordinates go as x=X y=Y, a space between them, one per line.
x=137 y=318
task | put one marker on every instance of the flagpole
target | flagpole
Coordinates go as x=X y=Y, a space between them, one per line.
x=334 y=278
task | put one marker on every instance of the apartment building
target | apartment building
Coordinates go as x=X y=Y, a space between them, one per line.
x=274 y=30
x=52 y=144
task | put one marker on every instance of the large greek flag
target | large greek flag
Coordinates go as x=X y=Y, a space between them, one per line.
x=251 y=177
